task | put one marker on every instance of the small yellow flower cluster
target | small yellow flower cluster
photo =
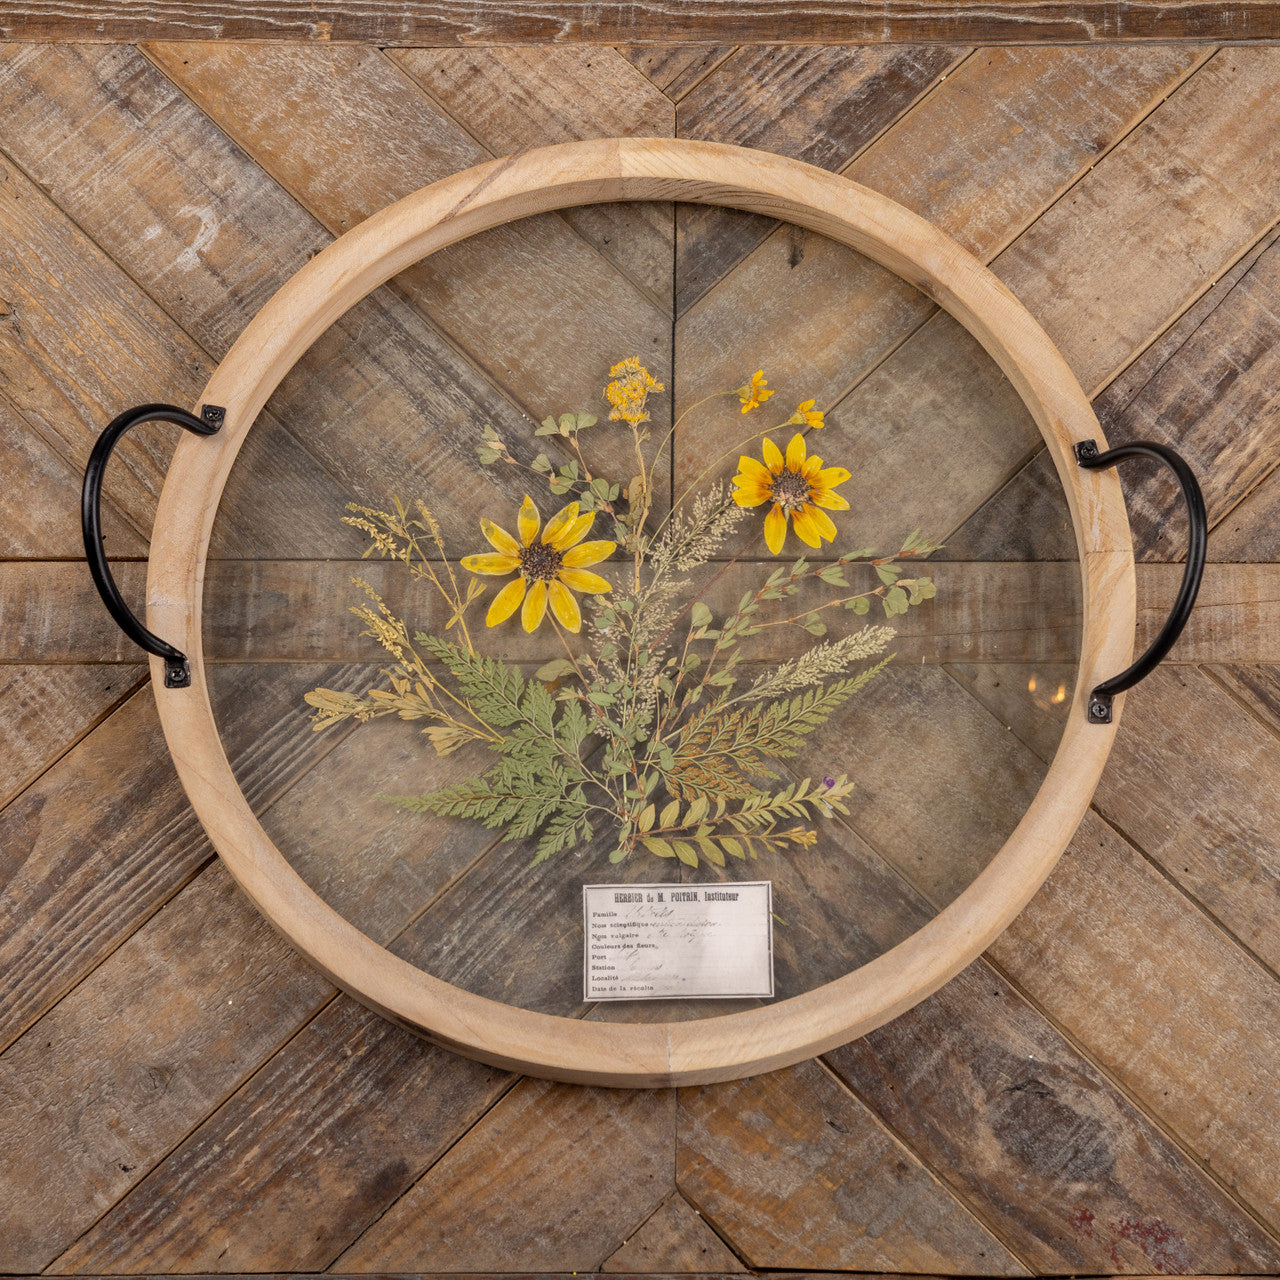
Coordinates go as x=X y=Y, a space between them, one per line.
x=753 y=394
x=629 y=390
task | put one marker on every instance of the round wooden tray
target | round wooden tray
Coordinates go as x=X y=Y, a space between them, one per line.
x=625 y=1054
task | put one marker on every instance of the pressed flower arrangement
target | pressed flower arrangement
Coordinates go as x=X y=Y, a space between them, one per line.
x=655 y=727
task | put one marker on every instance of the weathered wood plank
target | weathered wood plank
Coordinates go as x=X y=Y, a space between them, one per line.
x=73 y=356
x=823 y=317
x=1150 y=228
x=676 y=1240
x=1059 y=1162
x=1023 y=1128
x=822 y=105
x=511 y=99
x=1168 y=1005
x=1205 y=387
x=676 y=68
x=376 y=865
x=1208 y=823
x=45 y=710
x=382 y=400
x=510 y=1195
x=108 y=1106
x=102 y=839
x=797 y=1139
x=1189 y=1032
x=271 y=611
x=413 y=22
x=1215 y=401
x=532 y=304
x=40 y=504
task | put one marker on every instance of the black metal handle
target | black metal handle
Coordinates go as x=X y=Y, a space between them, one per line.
x=1088 y=455
x=177 y=672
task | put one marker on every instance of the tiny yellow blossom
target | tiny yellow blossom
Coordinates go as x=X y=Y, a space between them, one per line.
x=798 y=486
x=753 y=395
x=552 y=565
x=806 y=416
x=629 y=390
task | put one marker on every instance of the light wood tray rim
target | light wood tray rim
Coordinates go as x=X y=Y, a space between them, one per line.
x=652 y=1054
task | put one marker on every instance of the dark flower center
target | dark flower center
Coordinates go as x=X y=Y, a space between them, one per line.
x=540 y=562
x=790 y=490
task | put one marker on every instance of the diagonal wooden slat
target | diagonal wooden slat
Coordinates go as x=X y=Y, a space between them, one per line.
x=676 y=1240
x=100 y=841
x=381 y=400
x=782 y=1164
x=45 y=710
x=528 y=303
x=676 y=68
x=508 y=1196
x=73 y=356
x=781 y=303
x=353 y=857
x=1187 y=1031
x=513 y=99
x=821 y=105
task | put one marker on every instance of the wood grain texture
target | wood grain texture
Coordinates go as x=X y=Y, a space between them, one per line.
x=824 y=317
x=676 y=68
x=379 y=870
x=1188 y=1041
x=465 y=1214
x=1140 y=1138
x=676 y=1239
x=514 y=98
x=659 y=21
x=1021 y=1124
x=525 y=302
x=821 y=105
x=102 y=839
x=45 y=710
x=797 y=1138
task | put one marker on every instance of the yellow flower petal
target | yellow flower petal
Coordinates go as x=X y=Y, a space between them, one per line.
x=586 y=553
x=806 y=527
x=753 y=466
x=499 y=539
x=827 y=498
x=584 y=580
x=830 y=477
x=751 y=492
x=491 y=562
x=529 y=521
x=795 y=452
x=535 y=606
x=811 y=466
x=564 y=606
x=505 y=603
x=775 y=529
x=772 y=455
x=558 y=522
x=574 y=532
x=821 y=521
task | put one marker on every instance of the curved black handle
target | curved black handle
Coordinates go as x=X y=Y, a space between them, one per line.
x=177 y=672
x=1088 y=455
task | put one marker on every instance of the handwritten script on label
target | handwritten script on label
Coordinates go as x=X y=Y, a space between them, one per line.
x=664 y=941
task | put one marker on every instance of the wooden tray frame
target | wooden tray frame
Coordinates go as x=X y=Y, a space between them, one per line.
x=558 y=177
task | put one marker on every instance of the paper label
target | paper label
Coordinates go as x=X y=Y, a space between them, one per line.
x=663 y=941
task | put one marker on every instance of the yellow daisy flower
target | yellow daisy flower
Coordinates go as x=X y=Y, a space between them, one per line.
x=798 y=486
x=629 y=390
x=807 y=416
x=552 y=565
x=753 y=395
